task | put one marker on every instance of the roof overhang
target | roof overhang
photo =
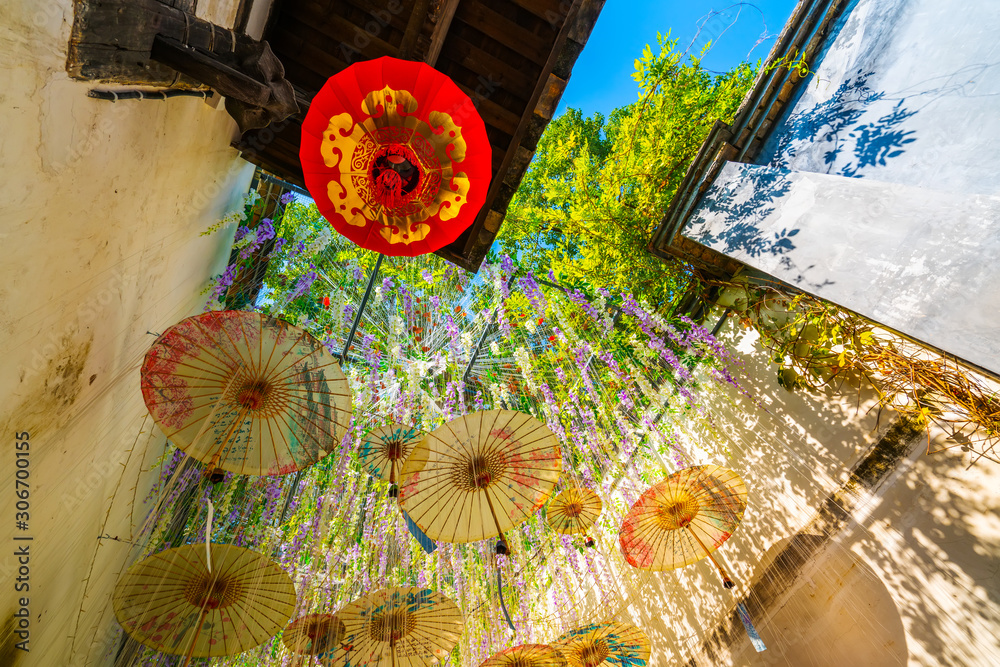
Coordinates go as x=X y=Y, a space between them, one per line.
x=799 y=41
x=512 y=57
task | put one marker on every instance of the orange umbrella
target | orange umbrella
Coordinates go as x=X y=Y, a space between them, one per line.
x=574 y=511
x=480 y=475
x=683 y=519
x=397 y=627
x=246 y=393
x=177 y=602
x=618 y=644
x=527 y=655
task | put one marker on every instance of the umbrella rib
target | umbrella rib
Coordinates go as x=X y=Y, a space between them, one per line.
x=187 y=354
x=237 y=362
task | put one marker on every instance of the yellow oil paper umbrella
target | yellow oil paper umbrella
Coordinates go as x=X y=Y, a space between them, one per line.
x=176 y=602
x=385 y=449
x=246 y=393
x=527 y=655
x=397 y=627
x=684 y=519
x=314 y=634
x=574 y=511
x=614 y=644
x=480 y=475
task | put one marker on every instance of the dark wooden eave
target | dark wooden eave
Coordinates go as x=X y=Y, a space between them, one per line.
x=512 y=57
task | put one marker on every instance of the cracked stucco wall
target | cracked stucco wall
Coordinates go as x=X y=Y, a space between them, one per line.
x=102 y=205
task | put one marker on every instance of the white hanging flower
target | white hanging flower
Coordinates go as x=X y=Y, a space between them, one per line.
x=495 y=349
x=249 y=238
x=524 y=363
x=301 y=233
x=467 y=340
x=529 y=324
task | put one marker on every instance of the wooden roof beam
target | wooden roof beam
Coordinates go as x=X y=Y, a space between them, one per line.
x=543 y=85
x=413 y=28
x=441 y=31
x=505 y=31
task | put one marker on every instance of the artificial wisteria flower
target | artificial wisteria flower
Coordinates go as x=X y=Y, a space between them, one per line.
x=302 y=285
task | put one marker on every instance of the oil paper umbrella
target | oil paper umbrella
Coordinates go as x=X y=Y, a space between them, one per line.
x=314 y=634
x=574 y=511
x=480 y=475
x=395 y=156
x=385 y=449
x=397 y=627
x=177 y=601
x=684 y=519
x=527 y=655
x=604 y=643
x=246 y=393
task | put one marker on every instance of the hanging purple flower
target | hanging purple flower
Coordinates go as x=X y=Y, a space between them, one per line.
x=227 y=278
x=302 y=285
x=265 y=230
x=286 y=198
x=278 y=245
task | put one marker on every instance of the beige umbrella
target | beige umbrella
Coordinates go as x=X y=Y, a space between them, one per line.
x=574 y=511
x=617 y=644
x=480 y=475
x=684 y=519
x=384 y=450
x=314 y=634
x=176 y=602
x=246 y=393
x=527 y=655
x=397 y=627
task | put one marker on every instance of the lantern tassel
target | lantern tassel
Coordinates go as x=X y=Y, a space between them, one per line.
x=389 y=188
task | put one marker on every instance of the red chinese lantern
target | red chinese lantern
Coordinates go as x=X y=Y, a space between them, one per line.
x=395 y=156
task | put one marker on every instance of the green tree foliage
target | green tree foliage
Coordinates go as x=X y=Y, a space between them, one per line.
x=598 y=187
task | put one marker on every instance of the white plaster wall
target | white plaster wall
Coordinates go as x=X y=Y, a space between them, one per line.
x=906 y=91
x=913 y=579
x=101 y=206
x=890 y=151
x=793 y=449
x=219 y=12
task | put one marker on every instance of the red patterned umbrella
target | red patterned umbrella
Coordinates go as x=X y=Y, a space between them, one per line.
x=246 y=393
x=683 y=519
x=395 y=156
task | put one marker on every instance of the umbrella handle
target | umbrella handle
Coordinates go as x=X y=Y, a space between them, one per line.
x=211 y=416
x=726 y=581
x=197 y=631
x=238 y=421
x=503 y=538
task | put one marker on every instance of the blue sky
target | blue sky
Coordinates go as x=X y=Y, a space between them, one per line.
x=602 y=76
